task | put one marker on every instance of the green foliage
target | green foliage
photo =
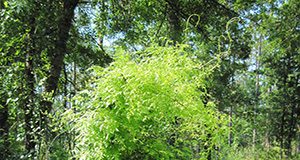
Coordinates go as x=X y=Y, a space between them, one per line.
x=157 y=102
x=249 y=153
x=147 y=107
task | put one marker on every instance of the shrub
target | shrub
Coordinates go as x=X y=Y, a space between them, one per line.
x=148 y=106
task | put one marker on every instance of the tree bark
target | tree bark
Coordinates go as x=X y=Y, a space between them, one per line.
x=29 y=104
x=59 y=52
x=65 y=24
x=1 y=4
x=256 y=92
x=230 y=136
x=4 y=128
x=173 y=14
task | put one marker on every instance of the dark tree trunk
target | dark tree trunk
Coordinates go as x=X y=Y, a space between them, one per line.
x=4 y=128
x=286 y=116
x=292 y=102
x=1 y=4
x=60 y=50
x=29 y=106
x=175 y=28
x=58 y=54
x=175 y=34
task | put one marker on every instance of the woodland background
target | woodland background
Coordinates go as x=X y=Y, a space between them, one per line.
x=116 y=79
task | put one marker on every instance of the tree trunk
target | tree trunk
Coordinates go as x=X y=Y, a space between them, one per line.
x=282 y=133
x=29 y=106
x=292 y=103
x=60 y=50
x=256 y=92
x=173 y=14
x=4 y=128
x=57 y=57
x=1 y=4
x=230 y=136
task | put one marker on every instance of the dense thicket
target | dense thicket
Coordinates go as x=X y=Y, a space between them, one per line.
x=179 y=79
x=149 y=107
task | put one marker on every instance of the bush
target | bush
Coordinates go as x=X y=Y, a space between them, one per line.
x=148 y=106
